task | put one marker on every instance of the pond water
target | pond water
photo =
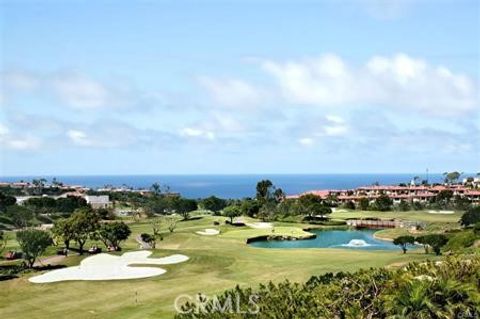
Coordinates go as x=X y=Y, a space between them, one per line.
x=348 y=239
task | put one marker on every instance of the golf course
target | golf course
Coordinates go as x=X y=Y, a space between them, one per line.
x=216 y=262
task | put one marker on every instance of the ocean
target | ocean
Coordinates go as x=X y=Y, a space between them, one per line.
x=234 y=186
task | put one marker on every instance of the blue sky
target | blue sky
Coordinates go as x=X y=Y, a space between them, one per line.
x=202 y=87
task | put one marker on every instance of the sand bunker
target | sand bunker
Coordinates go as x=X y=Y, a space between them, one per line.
x=111 y=267
x=447 y=212
x=260 y=225
x=208 y=232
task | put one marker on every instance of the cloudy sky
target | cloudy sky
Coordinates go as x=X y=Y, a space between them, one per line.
x=201 y=87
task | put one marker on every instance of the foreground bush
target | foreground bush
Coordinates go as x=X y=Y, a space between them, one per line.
x=447 y=289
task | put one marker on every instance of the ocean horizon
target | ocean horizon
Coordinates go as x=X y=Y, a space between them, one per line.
x=233 y=186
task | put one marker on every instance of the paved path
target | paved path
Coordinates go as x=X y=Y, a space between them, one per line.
x=50 y=260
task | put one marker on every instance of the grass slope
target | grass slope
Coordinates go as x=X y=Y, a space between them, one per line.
x=216 y=263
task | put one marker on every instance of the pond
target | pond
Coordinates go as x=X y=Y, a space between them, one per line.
x=348 y=239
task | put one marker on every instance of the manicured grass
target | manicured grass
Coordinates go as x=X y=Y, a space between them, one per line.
x=423 y=216
x=216 y=263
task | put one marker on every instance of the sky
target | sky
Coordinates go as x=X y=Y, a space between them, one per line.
x=238 y=87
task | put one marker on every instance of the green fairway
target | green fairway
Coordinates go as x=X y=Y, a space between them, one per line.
x=423 y=216
x=216 y=263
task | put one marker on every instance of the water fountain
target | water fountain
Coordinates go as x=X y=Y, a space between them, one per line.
x=357 y=243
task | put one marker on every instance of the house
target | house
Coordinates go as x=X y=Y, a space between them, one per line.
x=102 y=201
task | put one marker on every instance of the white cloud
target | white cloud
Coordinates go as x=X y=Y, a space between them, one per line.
x=399 y=81
x=190 y=132
x=306 y=141
x=18 y=142
x=386 y=9
x=81 y=92
x=20 y=80
x=75 y=90
x=79 y=137
x=232 y=92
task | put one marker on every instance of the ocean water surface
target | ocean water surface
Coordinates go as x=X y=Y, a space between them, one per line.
x=233 y=186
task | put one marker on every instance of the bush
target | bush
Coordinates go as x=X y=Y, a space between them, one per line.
x=450 y=289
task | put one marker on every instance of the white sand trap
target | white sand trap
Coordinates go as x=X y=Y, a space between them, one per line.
x=111 y=267
x=260 y=225
x=446 y=212
x=208 y=232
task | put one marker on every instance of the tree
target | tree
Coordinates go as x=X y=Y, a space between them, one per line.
x=105 y=213
x=264 y=190
x=423 y=241
x=451 y=177
x=267 y=211
x=403 y=206
x=403 y=242
x=33 y=243
x=444 y=197
x=471 y=216
x=363 y=203
x=70 y=203
x=250 y=207
x=21 y=216
x=383 y=203
x=279 y=195
x=172 y=223
x=436 y=241
x=213 y=204
x=184 y=206
x=111 y=234
x=349 y=205
x=156 y=226
x=3 y=241
x=63 y=230
x=6 y=201
x=310 y=204
x=232 y=212
x=84 y=223
x=156 y=188
x=476 y=229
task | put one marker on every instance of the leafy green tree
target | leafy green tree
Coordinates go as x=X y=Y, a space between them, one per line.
x=33 y=243
x=403 y=206
x=471 y=216
x=267 y=211
x=279 y=195
x=6 y=201
x=250 y=207
x=3 y=241
x=404 y=241
x=423 y=241
x=63 y=230
x=264 y=190
x=213 y=204
x=185 y=206
x=436 y=241
x=84 y=223
x=476 y=229
x=383 y=203
x=310 y=204
x=232 y=212
x=156 y=188
x=363 y=203
x=111 y=234
x=452 y=177
x=349 y=205
x=444 y=197
x=70 y=203
x=21 y=216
